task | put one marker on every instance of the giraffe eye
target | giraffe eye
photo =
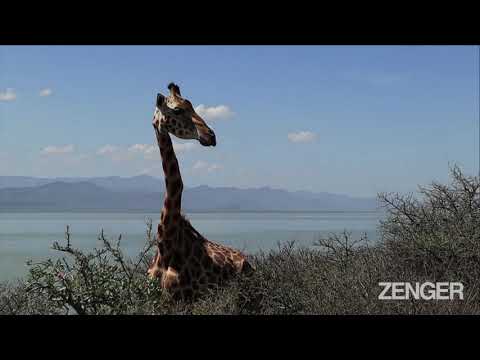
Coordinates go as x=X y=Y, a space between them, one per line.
x=178 y=111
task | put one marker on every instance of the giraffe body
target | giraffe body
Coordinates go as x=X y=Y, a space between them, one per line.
x=192 y=263
x=185 y=262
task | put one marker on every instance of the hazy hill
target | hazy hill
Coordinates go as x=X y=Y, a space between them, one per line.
x=142 y=193
x=114 y=183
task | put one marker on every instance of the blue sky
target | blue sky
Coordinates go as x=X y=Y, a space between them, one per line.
x=344 y=119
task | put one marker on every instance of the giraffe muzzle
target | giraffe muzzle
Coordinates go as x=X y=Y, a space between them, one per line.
x=208 y=140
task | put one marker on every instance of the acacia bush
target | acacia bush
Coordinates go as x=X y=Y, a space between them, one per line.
x=437 y=234
x=434 y=236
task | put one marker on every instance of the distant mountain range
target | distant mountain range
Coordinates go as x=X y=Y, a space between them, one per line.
x=145 y=193
x=113 y=183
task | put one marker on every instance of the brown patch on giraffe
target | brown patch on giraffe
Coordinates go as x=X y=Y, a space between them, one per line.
x=165 y=261
x=177 y=202
x=176 y=218
x=166 y=222
x=219 y=259
x=171 y=232
x=238 y=265
x=186 y=277
x=207 y=262
x=173 y=169
x=236 y=257
x=162 y=150
x=161 y=248
x=197 y=250
x=209 y=250
x=167 y=204
x=187 y=249
x=169 y=155
x=188 y=253
x=177 y=184
x=175 y=260
x=180 y=240
x=195 y=272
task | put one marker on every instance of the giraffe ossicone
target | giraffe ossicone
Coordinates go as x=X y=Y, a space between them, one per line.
x=186 y=263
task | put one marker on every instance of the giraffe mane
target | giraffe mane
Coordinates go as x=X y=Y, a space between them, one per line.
x=185 y=224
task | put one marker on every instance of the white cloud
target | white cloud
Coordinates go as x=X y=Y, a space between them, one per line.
x=115 y=153
x=152 y=152
x=52 y=149
x=8 y=95
x=184 y=147
x=214 y=112
x=202 y=166
x=145 y=151
x=142 y=148
x=214 y=167
x=107 y=150
x=148 y=151
x=46 y=92
x=302 y=136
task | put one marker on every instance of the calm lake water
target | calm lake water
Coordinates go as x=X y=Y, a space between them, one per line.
x=30 y=235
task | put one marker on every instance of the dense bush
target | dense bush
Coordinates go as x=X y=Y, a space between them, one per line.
x=432 y=237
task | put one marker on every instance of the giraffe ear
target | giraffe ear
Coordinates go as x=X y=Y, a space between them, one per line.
x=160 y=99
x=174 y=89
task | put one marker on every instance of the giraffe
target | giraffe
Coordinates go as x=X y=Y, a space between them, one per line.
x=181 y=118
x=186 y=263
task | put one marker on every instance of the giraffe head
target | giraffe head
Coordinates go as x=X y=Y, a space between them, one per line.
x=178 y=116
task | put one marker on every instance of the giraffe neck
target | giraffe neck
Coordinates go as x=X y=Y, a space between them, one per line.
x=170 y=216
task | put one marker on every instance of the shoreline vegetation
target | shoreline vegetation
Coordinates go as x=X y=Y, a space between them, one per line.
x=432 y=237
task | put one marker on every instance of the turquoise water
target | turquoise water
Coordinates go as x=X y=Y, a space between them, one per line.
x=30 y=235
